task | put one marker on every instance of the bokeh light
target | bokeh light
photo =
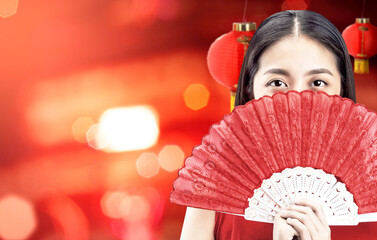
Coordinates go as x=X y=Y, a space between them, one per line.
x=120 y=205
x=111 y=204
x=17 y=218
x=135 y=208
x=96 y=138
x=80 y=127
x=196 y=96
x=128 y=128
x=147 y=165
x=171 y=158
x=8 y=8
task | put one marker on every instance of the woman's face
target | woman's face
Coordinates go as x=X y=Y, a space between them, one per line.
x=296 y=63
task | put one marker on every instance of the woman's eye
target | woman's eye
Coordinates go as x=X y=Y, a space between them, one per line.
x=318 y=83
x=277 y=83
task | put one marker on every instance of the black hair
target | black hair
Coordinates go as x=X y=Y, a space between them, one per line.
x=283 y=24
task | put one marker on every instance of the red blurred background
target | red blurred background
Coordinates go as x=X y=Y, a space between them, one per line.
x=64 y=63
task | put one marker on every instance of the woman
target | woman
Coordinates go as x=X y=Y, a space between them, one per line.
x=291 y=50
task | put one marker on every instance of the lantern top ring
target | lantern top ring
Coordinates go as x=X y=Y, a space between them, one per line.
x=244 y=27
x=362 y=20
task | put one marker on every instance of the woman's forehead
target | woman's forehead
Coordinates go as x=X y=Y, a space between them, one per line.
x=297 y=51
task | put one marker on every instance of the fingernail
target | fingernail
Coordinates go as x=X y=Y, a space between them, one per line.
x=289 y=220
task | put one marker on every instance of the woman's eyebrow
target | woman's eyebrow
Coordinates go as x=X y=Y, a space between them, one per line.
x=277 y=71
x=318 y=71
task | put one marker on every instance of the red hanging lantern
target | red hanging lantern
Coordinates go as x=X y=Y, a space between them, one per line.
x=225 y=56
x=360 y=39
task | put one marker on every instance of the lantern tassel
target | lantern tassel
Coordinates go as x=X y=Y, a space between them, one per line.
x=232 y=99
x=361 y=66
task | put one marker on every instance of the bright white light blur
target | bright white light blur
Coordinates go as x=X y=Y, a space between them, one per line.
x=129 y=128
x=17 y=218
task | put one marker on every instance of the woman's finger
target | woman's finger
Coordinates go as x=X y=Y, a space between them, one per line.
x=309 y=212
x=282 y=230
x=304 y=219
x=317 y=209
x=300 y=228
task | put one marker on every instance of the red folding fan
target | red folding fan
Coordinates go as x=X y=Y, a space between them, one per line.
x=274 y=150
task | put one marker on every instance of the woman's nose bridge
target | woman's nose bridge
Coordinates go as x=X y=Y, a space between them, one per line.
x=299 y=84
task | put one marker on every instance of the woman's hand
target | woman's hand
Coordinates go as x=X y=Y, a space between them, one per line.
x=308 y=219
x=282 y=230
